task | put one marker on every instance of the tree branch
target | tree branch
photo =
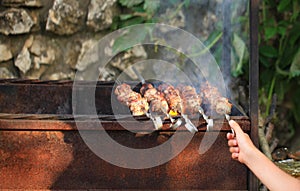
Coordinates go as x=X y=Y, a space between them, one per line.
x=263 y=142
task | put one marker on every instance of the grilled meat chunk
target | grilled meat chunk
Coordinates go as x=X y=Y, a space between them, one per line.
x=156 y=99
x=191 y=101
x=136 y=103
x=212 y=96
x=172 y=96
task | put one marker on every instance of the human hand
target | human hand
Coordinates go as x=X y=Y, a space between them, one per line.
x=240 y=145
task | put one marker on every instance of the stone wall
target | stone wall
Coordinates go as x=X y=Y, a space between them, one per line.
x=43 y=39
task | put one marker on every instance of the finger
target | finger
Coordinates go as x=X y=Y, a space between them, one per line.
x=234 y=149
x=235 y=156
x=236 y=127
x=232 y=143
x=230 y=136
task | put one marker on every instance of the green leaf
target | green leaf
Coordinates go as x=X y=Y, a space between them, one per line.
x=283 y=25
x=281 y=88
x=130 y=3
x=151 y=6
x=265 y=61
x=293 y=98
x=268 y=51
x=187 y=3
x=124 y=17
x=286 y=57
x=294 y=34
x=173 y=2
x=270 y=22
x=295 y=66
x=217 y=53
x=270 y=32
x=282 y=30
x=283 y=5
x=212 y=37
x=296 y=107
x=296 y=10
x=139 y=9
x=266 y=78
x=132 y=37
x=132 y=21
x=115 y=23
x=241 y=51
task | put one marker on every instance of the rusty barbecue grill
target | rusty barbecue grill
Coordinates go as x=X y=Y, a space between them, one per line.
x=40 y=147
x=48 y=123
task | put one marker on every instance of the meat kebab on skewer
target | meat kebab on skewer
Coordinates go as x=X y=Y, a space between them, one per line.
x=174 y=100
x=137 y=104
x=218 y=103
x=156 y=99
x=192 y=103
x=158 y=103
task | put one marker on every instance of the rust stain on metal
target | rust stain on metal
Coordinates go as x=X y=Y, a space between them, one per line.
x=61 y=160
x=32 y=160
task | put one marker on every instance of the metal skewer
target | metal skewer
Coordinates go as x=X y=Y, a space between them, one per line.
x=175 y=123
x=210 y=122
x=156 y=120
x=228 y=119
x=189 y=125
x=240 y=109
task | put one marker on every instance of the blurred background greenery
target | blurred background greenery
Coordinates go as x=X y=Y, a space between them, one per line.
x=279 y=59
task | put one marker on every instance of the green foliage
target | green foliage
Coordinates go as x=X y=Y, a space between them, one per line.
x=186 y=3
x=136 y=12
x=151 y=6
x=142 y=11
x=295 y=66
x=279 y=57
x=240 y=57
x=131 y=38
x=130 y=3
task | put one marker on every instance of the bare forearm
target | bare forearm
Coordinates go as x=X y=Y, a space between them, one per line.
x=270 y=175
x=243 y=150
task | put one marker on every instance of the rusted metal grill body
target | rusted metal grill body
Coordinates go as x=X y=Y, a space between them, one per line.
x=40 y=147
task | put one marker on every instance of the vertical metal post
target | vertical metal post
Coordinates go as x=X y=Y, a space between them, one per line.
x=254 y=81
x=226 y=49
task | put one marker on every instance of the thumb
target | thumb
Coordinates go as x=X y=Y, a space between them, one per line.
x=236 y=127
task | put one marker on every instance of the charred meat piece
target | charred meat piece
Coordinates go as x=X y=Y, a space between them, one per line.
x=125 y=94
x=223 y=106
x=156 y=99
x=212 y=96
x=145 y=87
x=139 y=107
x=209 y=93
x=172 y=96
x=137 y=104
x=191 y=101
